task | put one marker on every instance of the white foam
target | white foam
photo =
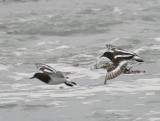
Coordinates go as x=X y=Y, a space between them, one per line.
x=58 y=48
x=22 y=49
x=113 y=88
x=154 y=47
x=115 y=40
x=154 y=112
x=18 y=53
x=26 y=19
x=140 y=50
x=44 y=42
x=140 y=85
x=20 y=75
x=11 y=98
x=154 y=119
x=32 y=92
x=150 y=93
x=96 y=9
x=83 y=55
x=90 y=102
x=137 y=85
x=3 y=67
x=117 y=110
x=117 y=10
x=16 y=77
x=139 y=104
x=20 y=85
x=77 y=72
x=81 y=98
x=7 y=102
x=48 y=87
x=56 y=103
x=14 y=94
x=157 y=39
x=41 y=43
x=63 y=47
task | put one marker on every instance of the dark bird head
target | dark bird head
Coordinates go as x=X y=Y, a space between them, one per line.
x=108 y=55
x=41 y=76
x=36 y=75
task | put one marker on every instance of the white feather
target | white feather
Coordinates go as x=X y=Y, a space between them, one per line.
x=122 y=56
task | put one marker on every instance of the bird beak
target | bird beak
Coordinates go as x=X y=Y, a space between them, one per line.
x=32 y=77
x=101 y=56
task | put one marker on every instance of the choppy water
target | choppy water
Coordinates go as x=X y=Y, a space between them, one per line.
x=70 y=35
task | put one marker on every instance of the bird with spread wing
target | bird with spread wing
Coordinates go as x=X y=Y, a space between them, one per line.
x=119 y=60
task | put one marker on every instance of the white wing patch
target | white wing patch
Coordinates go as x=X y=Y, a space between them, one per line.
x=137 y=57
x=123 y=51
x=45 y=68
x=122 y=56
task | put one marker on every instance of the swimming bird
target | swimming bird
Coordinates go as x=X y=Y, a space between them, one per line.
x=116 y=55
x=50 y=76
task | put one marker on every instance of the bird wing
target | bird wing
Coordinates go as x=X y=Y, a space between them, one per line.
x=50 y=70
x=104 y=64
x=60 y=74
x=45 y=68
x=122 y=57
x=116 y=71
x=118 y=51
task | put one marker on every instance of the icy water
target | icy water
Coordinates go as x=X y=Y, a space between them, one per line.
x=69 y=35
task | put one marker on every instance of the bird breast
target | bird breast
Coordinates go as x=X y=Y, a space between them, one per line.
x=56 y=80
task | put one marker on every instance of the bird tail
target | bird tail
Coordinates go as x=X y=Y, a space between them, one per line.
x=70 y=83
x=138 y=59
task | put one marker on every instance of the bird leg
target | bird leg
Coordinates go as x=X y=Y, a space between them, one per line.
x=129 y=71
x=105 y=82
x=70 y=83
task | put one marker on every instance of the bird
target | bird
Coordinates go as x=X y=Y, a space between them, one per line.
x=118 y=62
x=50 y=76
x=116 y=55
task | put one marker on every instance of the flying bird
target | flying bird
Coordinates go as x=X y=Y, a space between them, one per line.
x=116 y=55
x=50 y=76
x=118 y=62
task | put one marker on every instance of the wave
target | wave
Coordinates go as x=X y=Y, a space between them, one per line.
x=4 y=67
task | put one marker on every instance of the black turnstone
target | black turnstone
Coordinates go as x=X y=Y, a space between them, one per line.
x=118 y=62
x=50 y=76
x=114 y=70
x=116 y=55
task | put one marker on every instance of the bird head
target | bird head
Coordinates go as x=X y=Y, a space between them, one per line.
x=36 y=75
x=42 y=76
x=108 y=55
